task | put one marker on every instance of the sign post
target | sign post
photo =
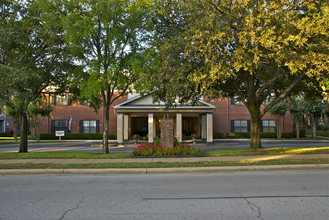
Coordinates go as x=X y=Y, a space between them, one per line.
x=60 y=134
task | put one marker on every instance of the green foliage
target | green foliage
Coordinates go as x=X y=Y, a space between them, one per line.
x=77 y=136
x=279 y=109
x=237 y=135
x=219 y=135
x=151 y=150
x=33 y=54
x=250 y=49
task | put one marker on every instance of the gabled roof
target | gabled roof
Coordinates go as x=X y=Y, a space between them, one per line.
x=146 y=102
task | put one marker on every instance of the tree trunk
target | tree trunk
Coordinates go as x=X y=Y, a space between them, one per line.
x=37 y=127
x=106 y=117
x=278 y=127
x=23 y=133
x=255 y=141
x=313 y=124
x=297 y=127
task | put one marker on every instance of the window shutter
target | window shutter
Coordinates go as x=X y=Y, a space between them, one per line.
x=248 y=125
x=232 y=125
x=232 y=100
x=97 y=126
x=52 y=126
x=261 y=126
x=81 y=126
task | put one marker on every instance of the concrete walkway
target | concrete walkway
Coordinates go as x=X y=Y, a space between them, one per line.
x=171 y=170
x=170 y=160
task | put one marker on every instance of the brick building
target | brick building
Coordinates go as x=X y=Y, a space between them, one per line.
x=139 y=115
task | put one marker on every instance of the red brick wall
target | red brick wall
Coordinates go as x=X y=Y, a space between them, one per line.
x=225 y=112
x=80 y=112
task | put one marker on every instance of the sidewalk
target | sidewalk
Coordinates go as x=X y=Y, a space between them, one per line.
x=169 y=160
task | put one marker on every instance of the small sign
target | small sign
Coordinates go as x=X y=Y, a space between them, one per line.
x=60 y=133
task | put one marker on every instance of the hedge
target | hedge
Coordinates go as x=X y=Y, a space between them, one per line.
x=77 y=136
x=234 y=135
x=5 y=135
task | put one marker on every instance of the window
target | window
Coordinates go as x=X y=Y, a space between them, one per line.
x=89 y=126
x=236 y=101
x=240 y=125
x=59 y=125
x=61 y=99
x=268 y=126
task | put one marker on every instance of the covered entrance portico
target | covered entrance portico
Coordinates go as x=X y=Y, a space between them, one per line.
x=141 y=116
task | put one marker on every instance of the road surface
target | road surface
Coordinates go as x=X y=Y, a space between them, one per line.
x=248 y=195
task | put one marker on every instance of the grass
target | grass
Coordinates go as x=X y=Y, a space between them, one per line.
x=159 y=164
x=267 y=151
x=64 y=155
x=119 y=155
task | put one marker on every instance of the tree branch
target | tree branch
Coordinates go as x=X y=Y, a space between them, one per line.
x=283 y=94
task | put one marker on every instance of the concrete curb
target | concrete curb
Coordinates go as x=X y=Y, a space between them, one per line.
x=123 y=171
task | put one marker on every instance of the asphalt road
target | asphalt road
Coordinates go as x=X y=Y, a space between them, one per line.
x=250 y=195
x=74 y=146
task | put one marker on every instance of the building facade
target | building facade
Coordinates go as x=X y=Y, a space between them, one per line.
x=140 y=115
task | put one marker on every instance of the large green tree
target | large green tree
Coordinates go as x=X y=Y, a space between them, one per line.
x=250 y=49
x=32 y=54
x=110 y=39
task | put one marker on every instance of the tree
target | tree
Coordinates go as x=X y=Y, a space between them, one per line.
x=38 y=109
x=32 y=55
x=314 y=110
x=250 y=49
x=279 y=110
x=110 y=39
x=297 y=109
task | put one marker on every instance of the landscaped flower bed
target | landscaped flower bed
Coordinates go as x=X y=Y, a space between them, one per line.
x=150 y=150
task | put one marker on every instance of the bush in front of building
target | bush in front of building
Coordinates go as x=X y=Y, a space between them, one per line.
x=237 y=135
x=5 y=134
x=77 y=136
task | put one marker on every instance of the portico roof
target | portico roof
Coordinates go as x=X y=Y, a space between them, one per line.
x=145 y=102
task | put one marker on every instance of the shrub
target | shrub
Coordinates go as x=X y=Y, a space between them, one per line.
x=77 y=136
x=151 y=150
x=5 y=135
x=320 y=127
x=218 y=135
x=287 y=135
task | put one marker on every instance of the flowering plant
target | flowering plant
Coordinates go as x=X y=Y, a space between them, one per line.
x=147 y=150
x=193 y=135
x=135 y=136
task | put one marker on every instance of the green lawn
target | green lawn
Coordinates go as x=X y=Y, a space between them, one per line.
x=117 y=155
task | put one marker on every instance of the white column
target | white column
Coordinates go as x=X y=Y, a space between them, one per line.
x=203 y=127
x=120 y=127
x=126 y=127
x=150 y=127
x=209 y=127
x=179 y=127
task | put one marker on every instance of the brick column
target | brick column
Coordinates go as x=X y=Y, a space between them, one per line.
x=150 y=127
x=179 y=127
x=120 y=127
x=167 y=133
x=209 y=127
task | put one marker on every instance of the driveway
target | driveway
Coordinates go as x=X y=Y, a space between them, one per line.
x=95 y=146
